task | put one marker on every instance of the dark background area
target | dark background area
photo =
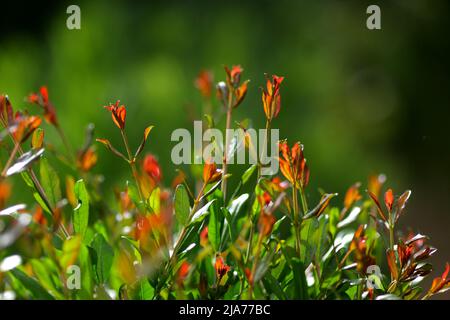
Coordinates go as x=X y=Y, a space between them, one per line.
x=361 y=101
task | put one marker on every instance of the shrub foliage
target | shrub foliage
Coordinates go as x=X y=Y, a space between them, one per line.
x=200 y=237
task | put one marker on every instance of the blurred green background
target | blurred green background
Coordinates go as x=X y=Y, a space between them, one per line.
x=361 y=101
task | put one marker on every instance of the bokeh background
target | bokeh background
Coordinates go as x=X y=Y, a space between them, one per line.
x=361 y=101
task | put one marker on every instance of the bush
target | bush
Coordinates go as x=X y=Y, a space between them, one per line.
x=196 y=239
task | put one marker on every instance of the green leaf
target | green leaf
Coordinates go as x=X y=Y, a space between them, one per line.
x=86 y=274
x=318 y=237
x=277 y=224
x=351 y=217
x=133 y=193
x=199 y=215
x=71 y=251
x=271 y=283
x=300 y=284
x=181 y=204
x=29 y=182
x=37 y=140
x=47 y=272
x=36 y=290
x=214 y=227
x=142 y=290
x=103 y=259
x=333 y=221
x=237 y=203
x=388 y=296
x=24 y=162
x=81 y=212
x=230 y=226
x=263 y=266
x=248 y=174
x=212 y=189
x=50 y=182
x=209 y=120
x=155 y=200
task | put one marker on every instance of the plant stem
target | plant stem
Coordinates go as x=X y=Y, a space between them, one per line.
x=172 y=260
x=41 y=192
x=304 y=202
x=132 y=163
x=252 y=226
x=391 y=231
x=250 y=239
x=391 y=237
x=184 y=230
x=263 y=146
x=11 y=158
x=66 y=143
x=36 y=183
x=255 y=264
x=297 y=223
x=225 y=153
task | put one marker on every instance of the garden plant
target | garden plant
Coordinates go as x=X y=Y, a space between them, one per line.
x=201 y=237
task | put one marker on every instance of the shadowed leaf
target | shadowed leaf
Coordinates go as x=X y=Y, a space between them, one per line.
x=104 y=255
x=50 y=182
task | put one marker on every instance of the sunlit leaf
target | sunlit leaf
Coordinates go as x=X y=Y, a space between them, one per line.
x=71 y=249
x=200 y=213
x=29 y=182
x=181 y=204
x=81 y=211
x=248 y=174
x=13 y=210
x=24 y=161
x=8 y=236
x=46 y=272
x=350 y=218
x=212 y=189
x=36 y=290
x=236 y=204
x=10 y=262
x=155 y=200
x=401 y=203
x=209 y=121
x=388 y=296
x=133 y=193
x=37 y=139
